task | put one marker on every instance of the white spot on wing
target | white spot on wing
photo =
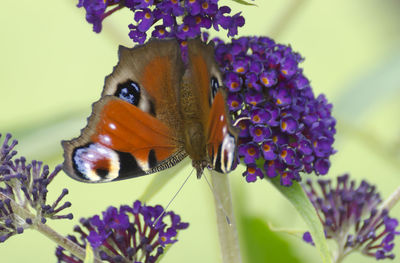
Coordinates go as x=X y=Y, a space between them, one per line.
x=112 y=126
x=144 y=165
x=85 y=160
x=227 y=150
x=104 y=139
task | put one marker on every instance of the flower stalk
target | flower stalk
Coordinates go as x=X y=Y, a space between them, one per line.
x=50 y=233
x=228 y=235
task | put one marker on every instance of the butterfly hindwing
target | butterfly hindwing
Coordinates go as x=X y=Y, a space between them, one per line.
x=221 y=136
x=134 y=128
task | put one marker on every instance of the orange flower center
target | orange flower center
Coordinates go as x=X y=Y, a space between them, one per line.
x=256 y=118
x=251 y=151
x=198 y=20
x=251 y=170
x=258 y=132
x=265 y=81
x=266 y=148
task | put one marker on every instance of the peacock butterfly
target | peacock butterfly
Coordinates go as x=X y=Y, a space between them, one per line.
x=156 y=109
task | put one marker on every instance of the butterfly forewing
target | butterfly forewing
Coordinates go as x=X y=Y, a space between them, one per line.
x=134 y=128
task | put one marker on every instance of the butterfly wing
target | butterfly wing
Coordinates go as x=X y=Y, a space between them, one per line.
x=221 y=137
x=134 y=128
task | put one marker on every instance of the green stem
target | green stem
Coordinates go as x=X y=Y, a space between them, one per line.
x=228 y=235
x=392 y=200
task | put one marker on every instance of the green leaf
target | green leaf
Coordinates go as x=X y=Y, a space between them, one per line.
x=89 y=258
x=243 y=2
x=300 y=201
x=256 y=235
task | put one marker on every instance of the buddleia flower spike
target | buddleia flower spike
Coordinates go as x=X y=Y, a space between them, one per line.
x=137 y=233
x=351 y=215
x=23 y=192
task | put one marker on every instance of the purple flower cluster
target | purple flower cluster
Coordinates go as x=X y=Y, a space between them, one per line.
x=128 y=234
x=181 y=19
x=350 y=216
x=284 y=129
x=25 y=185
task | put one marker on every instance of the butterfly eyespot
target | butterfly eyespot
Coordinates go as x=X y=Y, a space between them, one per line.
x=94 y=162
x=214 y=85
x=128 y=91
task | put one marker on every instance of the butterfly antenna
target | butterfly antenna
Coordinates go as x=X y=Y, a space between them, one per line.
x=218 y=201
x=172 y=199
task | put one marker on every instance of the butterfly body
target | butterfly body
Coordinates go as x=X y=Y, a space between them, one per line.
x=154 y=111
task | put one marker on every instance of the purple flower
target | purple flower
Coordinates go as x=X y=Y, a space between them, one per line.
x=233 y=81
x=260 y=133
x=182 y=19
x=243 y=126
x=276 y=95
x=25 y=184
x=254 y=98
x=250 y=152
x=351 y=215
x=269 y=150
x=136 y=35
x=234 y=101
x=136 y=233
x=144 y=19
x=259 y=116
x=252 y=173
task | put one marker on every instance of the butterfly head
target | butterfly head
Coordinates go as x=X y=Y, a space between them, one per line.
x=199 y=166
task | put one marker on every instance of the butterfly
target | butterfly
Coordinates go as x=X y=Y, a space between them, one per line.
x=156 y=109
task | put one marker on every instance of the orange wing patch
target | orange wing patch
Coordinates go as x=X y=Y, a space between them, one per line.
x=221 y=143
x=126 y=128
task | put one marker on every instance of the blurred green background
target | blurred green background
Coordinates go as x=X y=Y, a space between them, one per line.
x=52 y=68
